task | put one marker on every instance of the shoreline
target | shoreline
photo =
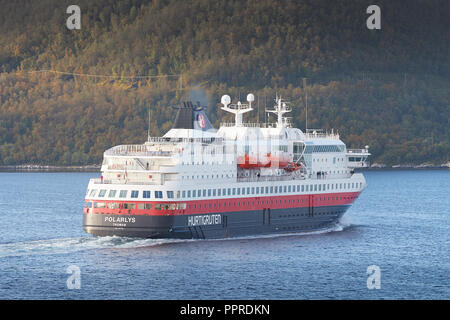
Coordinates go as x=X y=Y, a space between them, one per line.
x=49 y=168
x=96 y=168
x=401 y=168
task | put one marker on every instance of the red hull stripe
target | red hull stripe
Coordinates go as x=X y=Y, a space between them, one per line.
x=228 y=205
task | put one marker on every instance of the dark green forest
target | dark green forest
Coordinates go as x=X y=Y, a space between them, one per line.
x=388 y=88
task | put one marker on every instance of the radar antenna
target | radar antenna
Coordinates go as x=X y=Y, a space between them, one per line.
x=237 y=109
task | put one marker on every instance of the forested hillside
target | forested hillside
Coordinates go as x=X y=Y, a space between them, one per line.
x=388 y=88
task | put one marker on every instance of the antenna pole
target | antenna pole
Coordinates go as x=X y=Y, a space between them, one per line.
x=265 y=107
x=148 y=130
x=306 y=104
x=258 y=110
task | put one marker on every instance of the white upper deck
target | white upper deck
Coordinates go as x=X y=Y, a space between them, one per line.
x=194 y=152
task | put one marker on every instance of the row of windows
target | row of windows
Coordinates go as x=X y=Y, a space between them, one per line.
x=207 y=176
x=229 y=191
x=124 y=193
x=182 y=206
x=317 y=149
x=140 y=206
x=326 y=159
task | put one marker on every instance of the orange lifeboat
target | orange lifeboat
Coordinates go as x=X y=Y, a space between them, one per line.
x=250 y=162
x=279 y=162
x=264 y=162
x=247 y=162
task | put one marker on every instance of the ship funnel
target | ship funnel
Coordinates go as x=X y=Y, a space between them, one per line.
x=191 y=117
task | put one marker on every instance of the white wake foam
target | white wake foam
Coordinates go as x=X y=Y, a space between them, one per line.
x=68 y=245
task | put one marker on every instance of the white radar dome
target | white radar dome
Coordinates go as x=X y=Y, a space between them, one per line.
x=226 y=100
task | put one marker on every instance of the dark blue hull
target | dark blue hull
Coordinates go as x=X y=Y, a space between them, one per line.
x=215 y=226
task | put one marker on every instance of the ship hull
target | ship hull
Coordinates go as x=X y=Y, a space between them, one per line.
x=215 y=225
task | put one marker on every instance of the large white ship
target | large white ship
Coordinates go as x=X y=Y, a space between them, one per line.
x=242 y=179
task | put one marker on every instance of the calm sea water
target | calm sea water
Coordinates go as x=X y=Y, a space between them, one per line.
x=401 y=223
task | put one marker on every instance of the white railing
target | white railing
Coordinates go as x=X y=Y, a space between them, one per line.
x=248 y=124
x=136 y=150
x=163 y=140
x=320 y=133
x=333 y=136
x=287 y=177
x=130 y=182
x=357 y=151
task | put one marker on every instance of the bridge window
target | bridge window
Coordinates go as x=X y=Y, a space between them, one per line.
x=112 y=193
x=93 y=191
x=159 y=195
x=102 y=193
x=169 y=194
x=146 y=194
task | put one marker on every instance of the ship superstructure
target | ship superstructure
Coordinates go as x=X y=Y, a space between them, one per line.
x=242 y=179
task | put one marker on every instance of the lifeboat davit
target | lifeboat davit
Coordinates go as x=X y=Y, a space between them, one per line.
x=292 y=166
